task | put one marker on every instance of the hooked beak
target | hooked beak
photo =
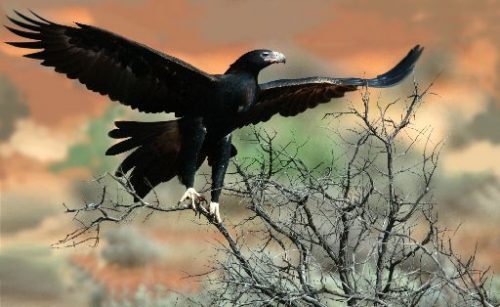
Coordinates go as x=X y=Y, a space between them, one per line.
x=276 y=57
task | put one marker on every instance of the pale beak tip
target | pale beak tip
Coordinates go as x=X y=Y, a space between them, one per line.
x=279 y=57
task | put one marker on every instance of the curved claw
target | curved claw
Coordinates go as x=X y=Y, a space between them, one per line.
x=213 y=208
x=194 y=196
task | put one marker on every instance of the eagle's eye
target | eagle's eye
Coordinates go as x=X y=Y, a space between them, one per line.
x=265 y=53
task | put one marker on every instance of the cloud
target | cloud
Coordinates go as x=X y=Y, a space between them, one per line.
x=35 y=141
x=11 y=106
x=478 y=157
x=483 y=127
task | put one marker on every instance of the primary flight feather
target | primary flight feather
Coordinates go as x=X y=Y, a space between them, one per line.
x=209 y=107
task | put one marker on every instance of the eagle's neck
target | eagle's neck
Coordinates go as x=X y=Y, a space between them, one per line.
x=244 y=68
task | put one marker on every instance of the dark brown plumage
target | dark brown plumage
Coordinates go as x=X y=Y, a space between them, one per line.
x=210 y=107
x=111 y=65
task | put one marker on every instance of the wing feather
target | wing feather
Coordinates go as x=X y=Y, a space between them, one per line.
x=289 y=97
x=111 y=65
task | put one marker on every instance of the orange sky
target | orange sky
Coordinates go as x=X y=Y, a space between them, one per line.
x=344 y=38
x=336 y=38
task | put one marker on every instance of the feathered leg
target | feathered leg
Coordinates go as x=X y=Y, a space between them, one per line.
x=219 y=159
x=193 y=135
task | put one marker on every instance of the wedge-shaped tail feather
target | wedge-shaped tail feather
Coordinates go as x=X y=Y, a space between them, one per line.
x=156 y=147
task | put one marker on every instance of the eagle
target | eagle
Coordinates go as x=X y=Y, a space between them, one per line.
x=207 y=107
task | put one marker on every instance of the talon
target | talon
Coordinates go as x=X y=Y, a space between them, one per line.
x=213 y=209
x=201 y=198
x=192 y=195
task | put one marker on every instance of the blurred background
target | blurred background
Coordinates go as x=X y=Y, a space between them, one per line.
x=53 y=132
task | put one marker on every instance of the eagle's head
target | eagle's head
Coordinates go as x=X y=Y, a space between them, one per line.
x=256 y=60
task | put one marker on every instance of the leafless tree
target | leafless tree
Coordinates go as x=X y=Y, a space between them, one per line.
x=359 y=229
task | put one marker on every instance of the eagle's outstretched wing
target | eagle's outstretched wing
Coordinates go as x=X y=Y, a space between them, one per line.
x=126 y=71
x=289 y=97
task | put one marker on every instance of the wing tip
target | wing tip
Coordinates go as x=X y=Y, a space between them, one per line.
x=399 y=72
x=40 y=17
x=418 y=49
x=27 y=45
x=41 y=21
x=416 y=52
x=117 y=149
x=23 y=23
x=34 y=22
x=82 y=25
x=36 y=55
x=21 y=33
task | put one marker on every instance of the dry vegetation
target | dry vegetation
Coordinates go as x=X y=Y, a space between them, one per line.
x=359 y=229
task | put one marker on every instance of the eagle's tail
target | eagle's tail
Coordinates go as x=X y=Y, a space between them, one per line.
x=156 y=152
